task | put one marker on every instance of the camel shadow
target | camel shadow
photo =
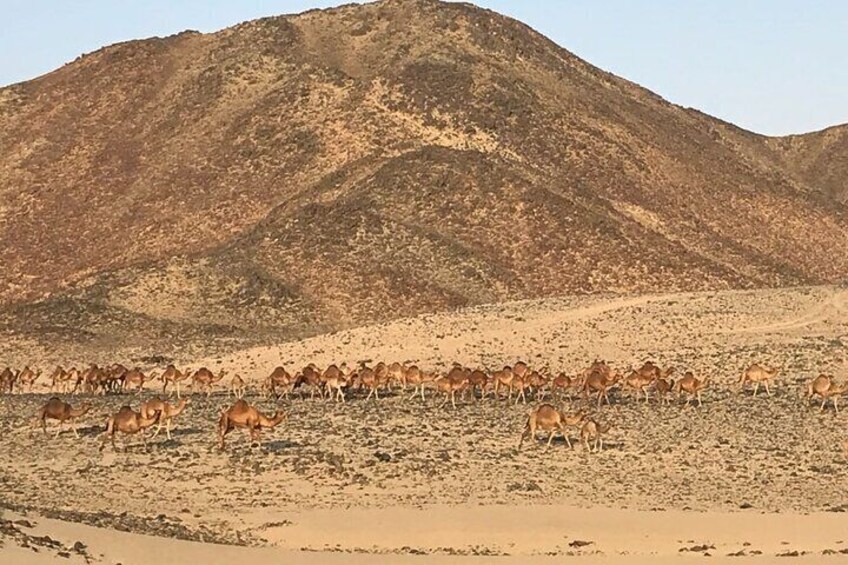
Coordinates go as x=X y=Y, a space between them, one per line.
x=279 y=445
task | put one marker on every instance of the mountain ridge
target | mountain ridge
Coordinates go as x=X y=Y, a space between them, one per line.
x=306 y=173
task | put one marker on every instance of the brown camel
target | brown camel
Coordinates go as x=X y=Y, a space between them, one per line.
x=166 y=412
x=418 y=379
x=663 y=387
x=600 y=382
x=455 y=381
x=173 y=375
x=7 y=380
x=478 y=379
x=825 y=387
x=310 y=376
x=243 y=415
x=136 y=378
x=27 y=378
x=58 y=378
x=757 y=374
x=691 y=386
x=128 y=422
x=563 y=383
x=279 y=379
x=335 y=381
x=367 y=378
x=547 y=418
x=639 y=381
x=205 y=379
x=56 y=409
x=397 y=375
x=503 y=378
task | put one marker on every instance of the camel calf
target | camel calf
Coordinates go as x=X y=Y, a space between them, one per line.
x=593 y=431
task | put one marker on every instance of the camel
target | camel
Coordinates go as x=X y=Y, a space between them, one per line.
x=455 y=381
x=335 y=381
x=600 y=383
x=206 y=380
x=279 y=378
x=366 y=377
x=57 y=378
x=397 y=374
x=173 y=375
x=825 y=387
x=166 y=412
x=593 y=431
x=311 y=377
x=381 y=373
x=562 y=383
x=7 y=380
x=478 y=379
x=757 y=374
x=504 y=377
x=662 y=388
x=691 y=386
x=597 y=366
x=651 y=371
x=136 y=378
x=56 y=409
x=128 y=422
x=26 y=379
x=639 y=381
x=94 y=379
x=418 y=379
x=237 y=387
x=243 y=415
x=547 y=418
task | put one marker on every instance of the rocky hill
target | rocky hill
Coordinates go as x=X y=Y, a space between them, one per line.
x=307 y=173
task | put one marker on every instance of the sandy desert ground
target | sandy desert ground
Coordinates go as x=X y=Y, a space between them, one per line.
x=401 y=481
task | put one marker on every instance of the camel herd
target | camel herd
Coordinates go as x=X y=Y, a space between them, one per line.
x=338 y=383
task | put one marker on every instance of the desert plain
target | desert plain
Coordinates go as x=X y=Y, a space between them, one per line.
x=401 y=480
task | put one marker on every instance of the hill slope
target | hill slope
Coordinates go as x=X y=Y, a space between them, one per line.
x=305 y=173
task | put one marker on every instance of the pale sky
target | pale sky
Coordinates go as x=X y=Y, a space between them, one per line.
x=771 y=66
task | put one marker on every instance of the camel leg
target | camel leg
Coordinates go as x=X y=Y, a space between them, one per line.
x=168 y=428
x=550 y=439
x=824 y=401
x=756 y=387
x=699 y=398
x=767 y=388
x=376 y=393
x=453 y=399
x=74 y=428
x=58 y=429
